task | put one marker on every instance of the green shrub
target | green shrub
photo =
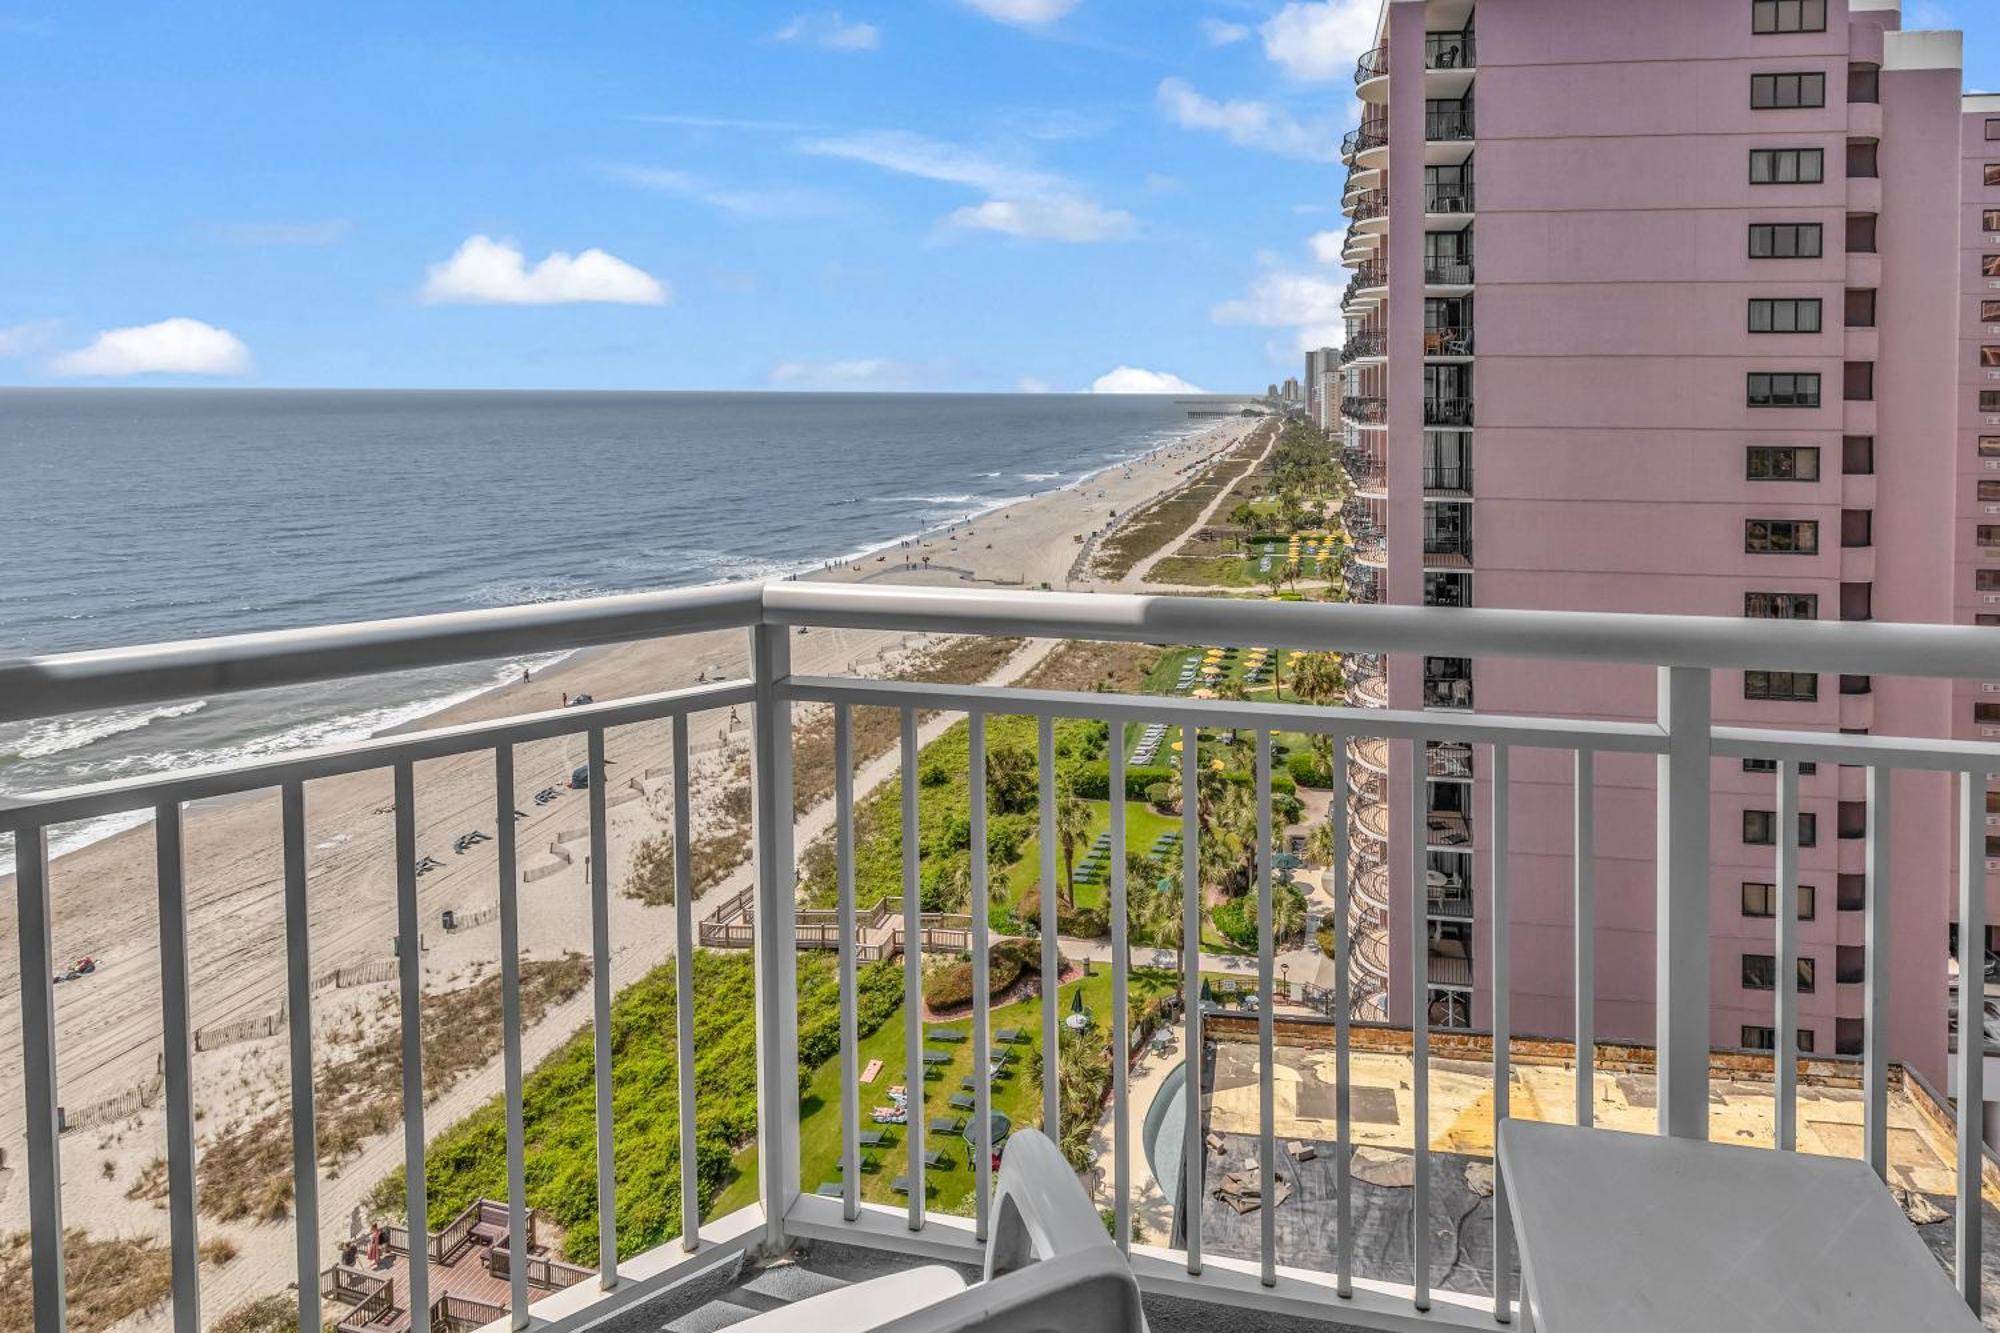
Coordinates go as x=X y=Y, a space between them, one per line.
x=1307 y=770
x=1006 y=963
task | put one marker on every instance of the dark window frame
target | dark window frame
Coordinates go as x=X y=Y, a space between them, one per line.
x=1800 y=158
x=1808 y=900
x=1798 y=232
x=1768 y=17
x=1769 y=90
x=1781 y=389
x=1781 y=606
x=1804 y=538
x=1790 y=687
x=1794 y=307
x=1770 y=454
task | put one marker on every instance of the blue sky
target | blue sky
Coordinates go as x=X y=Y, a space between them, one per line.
x=929 y=194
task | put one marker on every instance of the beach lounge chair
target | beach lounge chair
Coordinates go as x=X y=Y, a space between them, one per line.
x=901 y=1184
x=936 y=1159
x=962 y=1101
x=1007 y=1036
x=873 y=1138
x=831 y=1189
x=953 y=1035
x=969 y=1083
x=933 y=1056
x=1048 y=1264
x=947 y=1124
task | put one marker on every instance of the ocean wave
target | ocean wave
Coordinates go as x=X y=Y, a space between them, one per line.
x=54 y=736
x=1040 y=476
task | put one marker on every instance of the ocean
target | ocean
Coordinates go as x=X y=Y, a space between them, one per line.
x=132 y=516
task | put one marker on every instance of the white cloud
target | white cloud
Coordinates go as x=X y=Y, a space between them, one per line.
x=1221 y=33
x=854 y=374
x=1024 y=200
x=171 y=347
x=1327 y=245
x=831 y=31
x=1248 y=124
x=1029 y=384
x=489 y=272
x=327 y=232
x=1319 y=42
x=782 y=202
x=1306 y=303
x=1131 y=379
x=1023 y=13
x=21 y=339
x=1058 y=217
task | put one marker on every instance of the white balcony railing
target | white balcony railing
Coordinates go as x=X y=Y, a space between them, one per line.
x=1684 y=653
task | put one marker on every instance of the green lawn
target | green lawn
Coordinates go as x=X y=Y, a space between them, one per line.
x=947 y=1188
x=1142 y=825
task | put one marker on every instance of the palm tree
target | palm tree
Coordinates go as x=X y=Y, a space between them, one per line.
x=1167 y=911
x=1317 y=678
x=1292 y=571
x=1288 y=913
x=1072 y=823
x=1274 y=578
x=1319 y=840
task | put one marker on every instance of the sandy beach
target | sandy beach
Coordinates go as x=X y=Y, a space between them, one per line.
x=104 y=905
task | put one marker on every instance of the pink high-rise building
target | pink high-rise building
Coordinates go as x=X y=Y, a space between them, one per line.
x=1653 y=310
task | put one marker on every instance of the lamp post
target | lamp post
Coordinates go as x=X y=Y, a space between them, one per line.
x=1285 y=980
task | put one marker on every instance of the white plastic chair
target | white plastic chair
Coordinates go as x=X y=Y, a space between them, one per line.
x=1050 y=1268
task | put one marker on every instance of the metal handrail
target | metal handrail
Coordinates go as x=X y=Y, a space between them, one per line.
x=1373 y=64
x=1368 y=204
x=1447 y=411
x=1448 y=126
x=1444 y=198
x=1449 y=50
x=1448 y=270
x=1363 y=407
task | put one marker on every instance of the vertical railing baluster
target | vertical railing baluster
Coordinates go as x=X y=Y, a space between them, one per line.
x=1192 y=1185
x=1585 y=943
x=1971 y=1031
x=506 y=846
x=775 y=936
x=1418 y=937
x=38 y=1081
x=685 y=938
x=850 y=1040
x=1267 y=1130
x=299 y=1026
x=410 y=969
x=982 y=1003
x=1785 y=1041
x=1343 y=1005
x=1875 y=992
x=1045 y=775
x=913 y=979
x=601 y=1044
x=1501 y=971
x=1121 y=1033
x=177 y=1034
x=1681 y=907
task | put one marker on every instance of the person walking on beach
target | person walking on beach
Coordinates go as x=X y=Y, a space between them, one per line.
x=375 y=1245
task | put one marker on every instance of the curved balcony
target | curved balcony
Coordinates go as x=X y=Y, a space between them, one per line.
x=1371 y=952
x=1370 y=752
x=1369 y=692
x=1371 y=134
x=1372 y=551
x=1369 y=209
x=1366 y=783
x=1364 y=344
x=1371 y=74
x=1360 y=178
x=1370 y=884
x=1370 y=817
x=1365 y=410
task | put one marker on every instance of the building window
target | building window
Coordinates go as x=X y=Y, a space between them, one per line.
x=1989 y=266
x=1993 y=173
x=1986 y=580
x=1989 y=490
x=1860 y=307
x=1857 y=455
x=1787 y=166
x=1990 y=219
x=1761 y=900
x=1861 y=233
x=1989 y=357
x=1781 y=389
x=1989 y=534
x=1787 y=16
x=1760 y=828
x=1781 y=686
x=1861 y=157
x=1781 y=605
x=1989 y=446
x=1785 y=240
x=1985 y=619
x=1778 y=92
x=1857 y=601
x=1787 y=314
x=1993 y=128
x=1989 y=400
x=1987 y=715
x=1781 y=536
x=1864 y=83
x=1759 y=1038
x=1857 y=381
x=1806 y=767
x=1857 y=527
x=1989 y=312
x=1770 y=462
x=1760 y=972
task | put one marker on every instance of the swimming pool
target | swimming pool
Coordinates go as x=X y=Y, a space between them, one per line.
x=1165 y=1131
